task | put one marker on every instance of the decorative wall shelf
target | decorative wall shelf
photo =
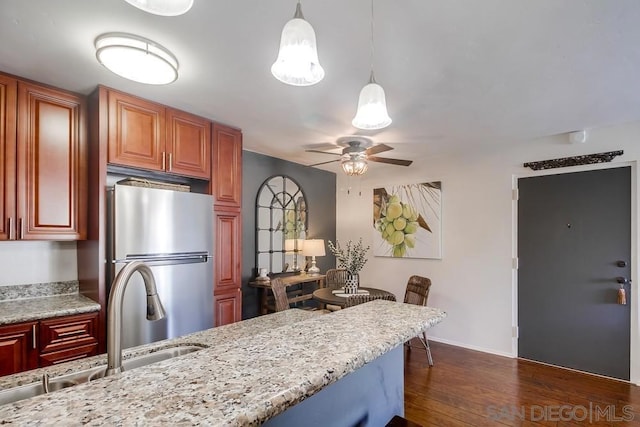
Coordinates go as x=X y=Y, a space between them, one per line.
x=586 y=159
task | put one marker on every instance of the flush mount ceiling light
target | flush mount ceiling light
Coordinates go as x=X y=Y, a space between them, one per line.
x=355 y=164
x=372 y=105
x=136 y=58
x=163 y=7
x=297 y=63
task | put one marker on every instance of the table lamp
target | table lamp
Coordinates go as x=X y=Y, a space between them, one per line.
x=313 y=248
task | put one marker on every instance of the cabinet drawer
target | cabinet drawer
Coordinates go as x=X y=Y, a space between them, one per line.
x=68 y=332
x=69 y=354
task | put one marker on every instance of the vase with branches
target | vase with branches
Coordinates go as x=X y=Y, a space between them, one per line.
x=352 y=258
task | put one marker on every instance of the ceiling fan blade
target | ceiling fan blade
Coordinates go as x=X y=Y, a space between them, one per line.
x=323 y=146
x=390 y=161
x=322 y=152
x=380 y=148
x=324 y=163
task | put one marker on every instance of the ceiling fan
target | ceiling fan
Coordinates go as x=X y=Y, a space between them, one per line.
x=357 y=151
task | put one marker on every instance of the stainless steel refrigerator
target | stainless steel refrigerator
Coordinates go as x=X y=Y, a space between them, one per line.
x=171 y=231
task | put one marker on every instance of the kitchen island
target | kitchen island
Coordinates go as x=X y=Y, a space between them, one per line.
x=250 y=372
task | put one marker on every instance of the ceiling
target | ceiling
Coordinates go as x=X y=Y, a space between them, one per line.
x=459 y=75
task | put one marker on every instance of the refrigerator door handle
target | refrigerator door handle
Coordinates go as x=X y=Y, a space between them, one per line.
x=166 y=259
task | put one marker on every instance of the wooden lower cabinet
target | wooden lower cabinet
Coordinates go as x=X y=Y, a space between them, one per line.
x=30 y=345
x=68 y=338
x=228 y=307
x=227 y=276
x=18 y=348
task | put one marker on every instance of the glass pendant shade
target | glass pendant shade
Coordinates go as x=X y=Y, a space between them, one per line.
x=297 y=63
x=355 y=165
x=372 y=107
x=163 y=7
x=136 y=58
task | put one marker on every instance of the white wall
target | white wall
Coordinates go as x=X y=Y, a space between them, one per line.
x=474 y=281
x=24 y=263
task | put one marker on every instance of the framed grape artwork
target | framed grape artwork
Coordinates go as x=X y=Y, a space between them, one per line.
x=407 y=221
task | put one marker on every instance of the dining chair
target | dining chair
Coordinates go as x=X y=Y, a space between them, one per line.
x=361 y=299
x=335 y=278
x=417 y=292
x=279 y=289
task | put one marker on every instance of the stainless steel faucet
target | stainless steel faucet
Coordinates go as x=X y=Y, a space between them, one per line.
x=155 y=310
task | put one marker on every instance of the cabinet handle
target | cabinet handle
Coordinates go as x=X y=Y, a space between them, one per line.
x=170 y=161
x=12 y=230
x=34 y=341
x=20 y=229
x=164 y=161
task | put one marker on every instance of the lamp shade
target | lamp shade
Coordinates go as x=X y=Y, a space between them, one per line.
x=297 y=63
x=136 y=58
x=314 y=247
x=163 y=7
x=372 y=107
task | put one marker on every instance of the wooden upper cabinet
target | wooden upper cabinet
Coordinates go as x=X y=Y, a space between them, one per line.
x=8 y=88
x=136 y=132
x=51 y=168
x=188 y=144
x=146 y=135
x=227 y=166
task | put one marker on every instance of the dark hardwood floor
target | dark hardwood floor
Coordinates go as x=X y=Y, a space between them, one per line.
x=471 y=388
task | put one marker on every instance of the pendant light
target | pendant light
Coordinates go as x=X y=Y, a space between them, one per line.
x=163 y=7
x=297 y=63
x=372 y=105
x=136 y=58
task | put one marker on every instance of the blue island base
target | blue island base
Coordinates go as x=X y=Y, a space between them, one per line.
x=370 y=396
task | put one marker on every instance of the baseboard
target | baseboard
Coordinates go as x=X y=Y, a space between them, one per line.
x=471 y=347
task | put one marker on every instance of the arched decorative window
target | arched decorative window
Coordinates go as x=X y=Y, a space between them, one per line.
x=281 y=225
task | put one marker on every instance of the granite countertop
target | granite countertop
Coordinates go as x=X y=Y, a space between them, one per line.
x=251 y=371
x=26 y=303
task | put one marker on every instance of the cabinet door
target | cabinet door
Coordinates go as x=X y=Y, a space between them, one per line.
x=227 y=166
x=7 y=157
x=228 y=251
x=18 y=348
x=136 y=132
x=188 y=145
x=228 y=307
x=52 y=164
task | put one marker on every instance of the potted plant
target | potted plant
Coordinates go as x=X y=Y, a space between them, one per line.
x=352 y=259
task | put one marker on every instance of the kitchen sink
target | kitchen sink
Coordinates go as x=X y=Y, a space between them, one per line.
x=58 y=383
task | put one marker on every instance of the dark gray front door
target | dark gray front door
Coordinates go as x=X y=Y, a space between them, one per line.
x=574 y=234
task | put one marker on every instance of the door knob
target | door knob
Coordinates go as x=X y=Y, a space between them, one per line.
x=622 y=280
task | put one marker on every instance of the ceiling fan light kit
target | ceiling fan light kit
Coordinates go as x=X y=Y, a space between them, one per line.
x=163 y=7
x=136 y=58
x=354 y=165
x=297 y=63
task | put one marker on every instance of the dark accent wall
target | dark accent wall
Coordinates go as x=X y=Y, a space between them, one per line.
x=320 y=191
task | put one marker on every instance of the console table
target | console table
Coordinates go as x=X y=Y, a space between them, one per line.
x=266 y=296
